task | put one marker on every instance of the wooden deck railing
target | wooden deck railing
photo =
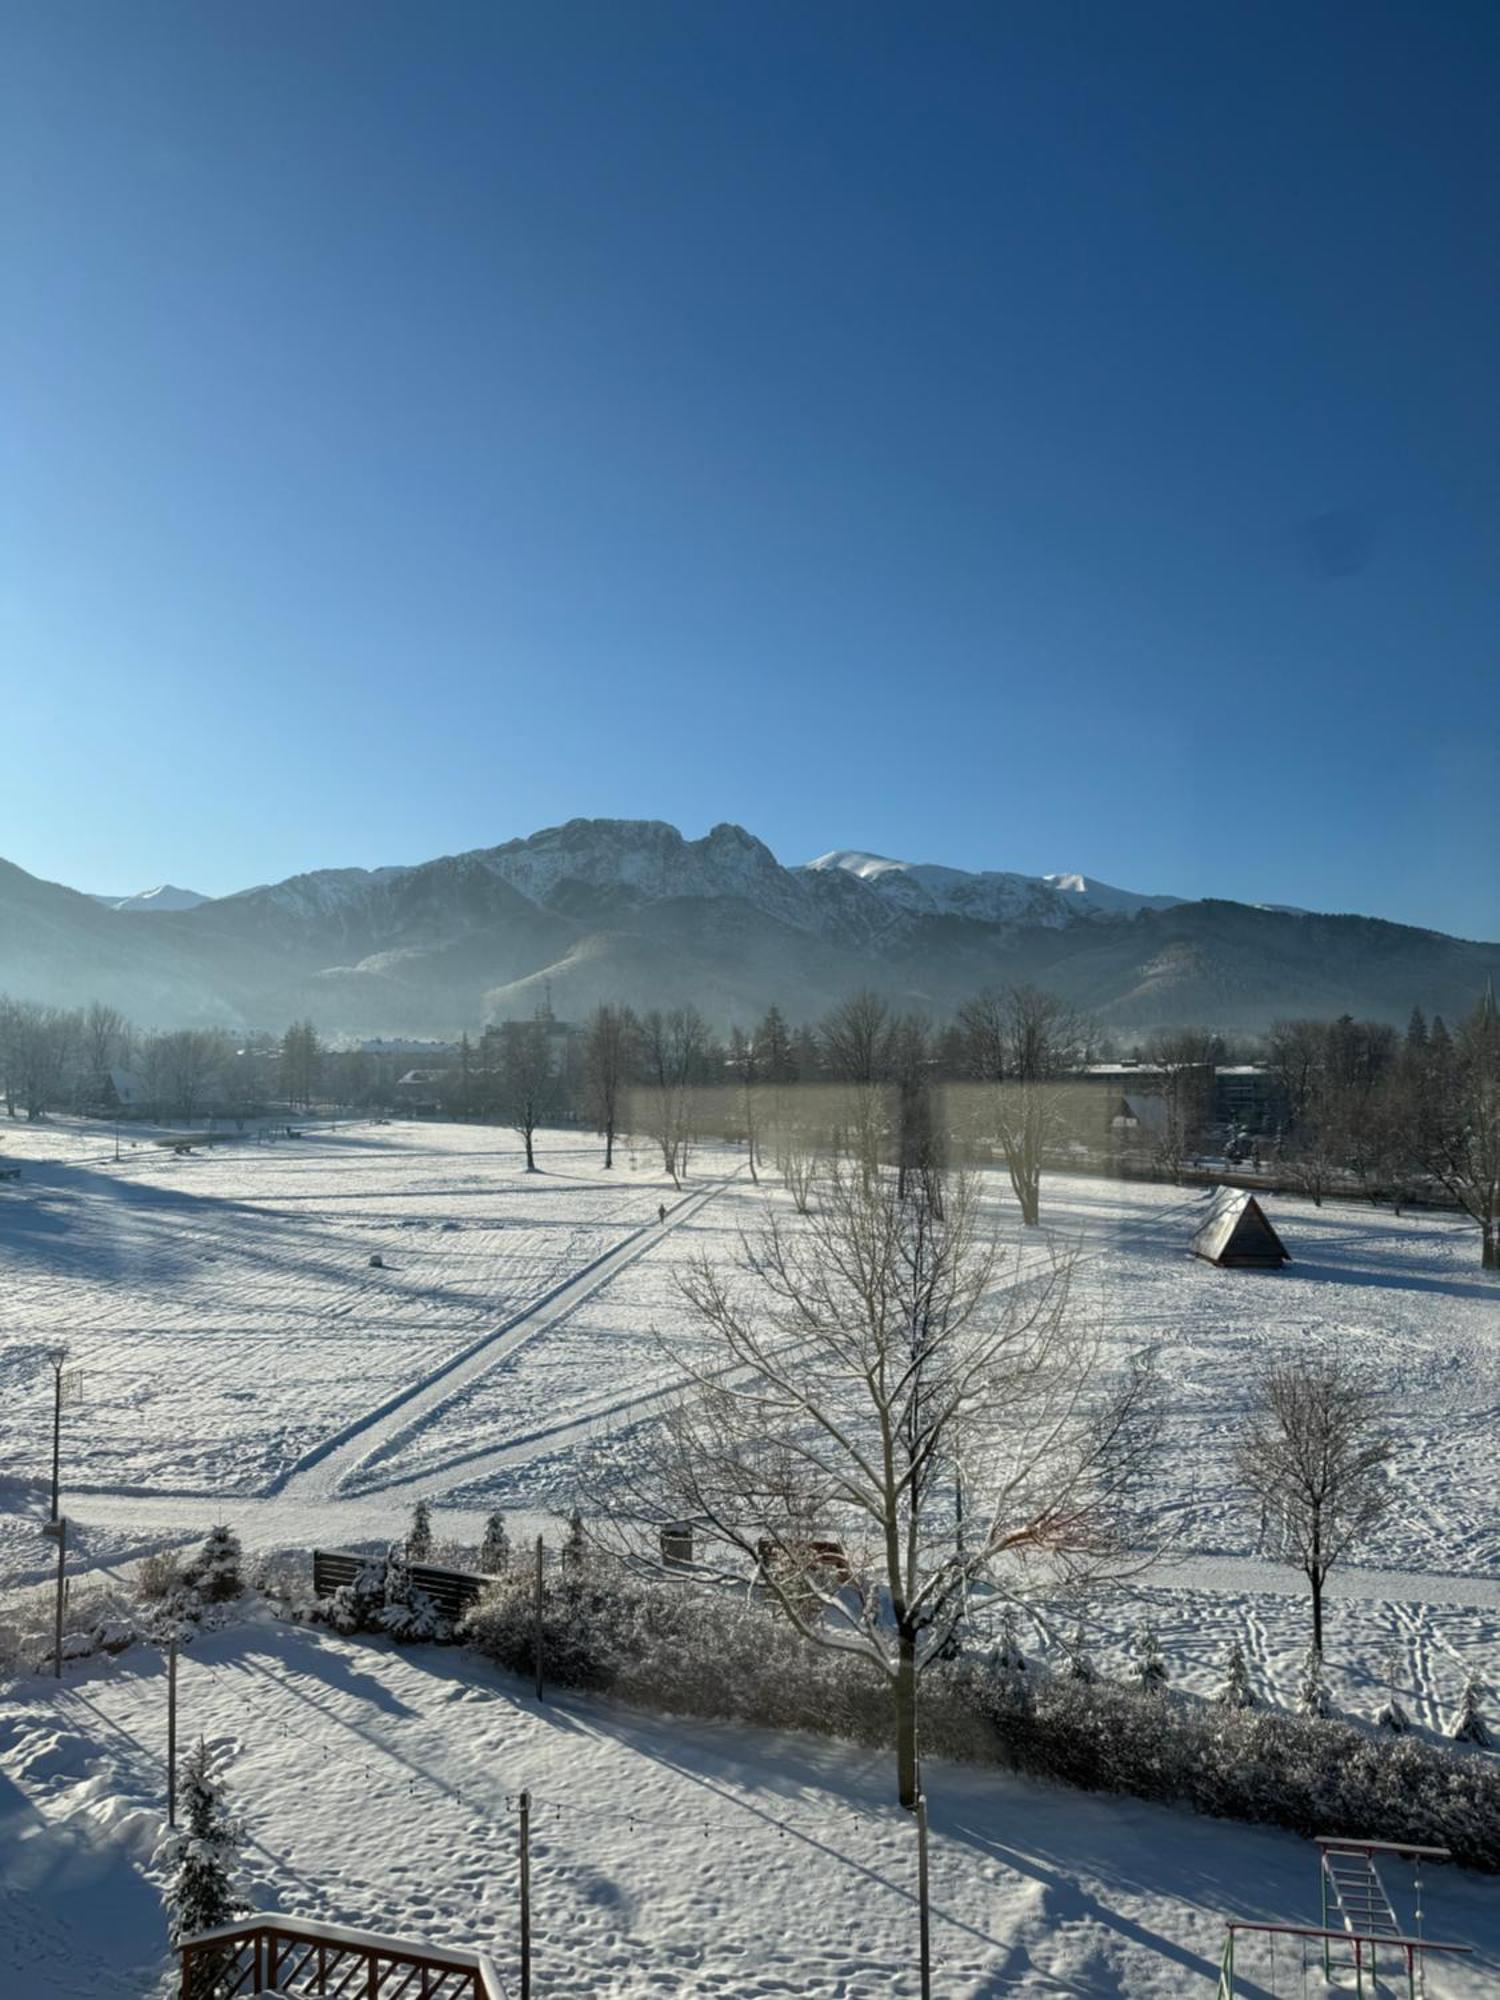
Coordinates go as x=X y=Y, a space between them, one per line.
x=266 y=1953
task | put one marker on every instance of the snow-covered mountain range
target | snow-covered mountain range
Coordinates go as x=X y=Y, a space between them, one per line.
x=630 y=910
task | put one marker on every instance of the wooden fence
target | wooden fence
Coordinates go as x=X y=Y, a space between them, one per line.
x=451 y=1590
x=265 y=1953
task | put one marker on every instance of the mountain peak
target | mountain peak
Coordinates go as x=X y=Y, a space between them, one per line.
x=166 y=896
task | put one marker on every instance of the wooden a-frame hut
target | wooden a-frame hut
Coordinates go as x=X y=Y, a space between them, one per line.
x=1237 y=1234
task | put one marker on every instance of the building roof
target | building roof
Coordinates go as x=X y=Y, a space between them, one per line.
x=1236 y=1231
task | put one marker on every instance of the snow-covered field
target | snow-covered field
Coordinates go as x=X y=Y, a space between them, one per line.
x=242 y=1358
x=241 y=1355
x=668 y=1857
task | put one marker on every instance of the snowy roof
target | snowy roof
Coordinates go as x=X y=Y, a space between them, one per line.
x=1236 y=1231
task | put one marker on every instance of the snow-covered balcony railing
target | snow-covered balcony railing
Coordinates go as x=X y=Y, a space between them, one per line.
x=271 y=1954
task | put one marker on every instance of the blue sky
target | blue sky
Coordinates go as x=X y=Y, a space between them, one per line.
x=1033 y=436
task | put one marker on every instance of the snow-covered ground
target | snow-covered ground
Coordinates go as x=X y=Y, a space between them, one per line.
x=242 y=1358
x=668 y=1857
x=240 y=1355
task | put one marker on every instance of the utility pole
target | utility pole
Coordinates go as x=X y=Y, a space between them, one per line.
x=59 y=1358
x=172 y=1726
x=541 y=1693
x=525 y=1896
x=61 y=1523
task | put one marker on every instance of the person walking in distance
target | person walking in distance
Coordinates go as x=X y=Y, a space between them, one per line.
x=661 y=1211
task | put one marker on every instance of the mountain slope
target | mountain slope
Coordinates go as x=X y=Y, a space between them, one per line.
x=166 y=896
x=629 y=910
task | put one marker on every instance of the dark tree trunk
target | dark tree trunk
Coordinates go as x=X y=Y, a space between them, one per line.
x=906 y=1719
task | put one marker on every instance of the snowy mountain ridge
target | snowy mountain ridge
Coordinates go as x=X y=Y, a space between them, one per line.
x=990 y=895
x=846 y=894
x=632 y=912
x=166 y=896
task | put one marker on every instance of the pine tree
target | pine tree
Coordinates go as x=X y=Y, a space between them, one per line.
x=575 y=1550
x=1080 y=1665
x=1008 y=1663
x=201 y=1855
x=1313 y=1697
x=215 y=1571
x=397 y=1590
x=1149 y=1669
x=419 y=1537
x=1237 y=1691
x=494 y=1550
x=1390 y=1714
x=1469 y=1725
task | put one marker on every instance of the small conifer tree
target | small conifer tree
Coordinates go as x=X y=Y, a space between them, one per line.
x=494 y=1550
x=1469 y=1725
x=1390 y=1714
x=575 y=1548
x=1313 y=1697
x=214 y=1572
x=201 y=1854
x=1237 y=1691
x=397 y=1589
x=419 y=1537
x=1148 y=1668
x=1007 y=1654
x=1080 y=1665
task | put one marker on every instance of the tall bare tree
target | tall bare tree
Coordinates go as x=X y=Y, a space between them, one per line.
x=1315 y=1458
x=854 y=1373
x=673 y=1056
x=609 y=1040
x=1456 y=1122
x=744 y=1064
x=1025 y=1044
x=857 y=1041
x=526 y=1081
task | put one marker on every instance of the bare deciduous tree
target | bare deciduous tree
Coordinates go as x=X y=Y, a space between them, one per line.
x=853 y=1376
x=608 y=1041
x=1026 y=1044
x=1315 y=1458
x=526 y=1081
x=673 y=1054
x=1457 y=1122
x=745 y=1068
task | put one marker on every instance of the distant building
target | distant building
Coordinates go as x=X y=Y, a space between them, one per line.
x=408 y=1048
x=1243 y=1094
x=420 y=1090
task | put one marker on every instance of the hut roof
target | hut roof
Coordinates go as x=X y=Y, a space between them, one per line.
x=1236 y=1231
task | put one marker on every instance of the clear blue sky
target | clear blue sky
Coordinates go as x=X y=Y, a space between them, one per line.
x=1020 y=435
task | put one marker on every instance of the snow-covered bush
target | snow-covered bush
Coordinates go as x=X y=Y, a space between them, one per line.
x=159 y=1575
x=382 y=1598
x=695 y=1651
x=353 y=1607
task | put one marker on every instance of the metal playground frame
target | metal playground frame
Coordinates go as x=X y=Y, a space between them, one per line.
x=1358 y=1918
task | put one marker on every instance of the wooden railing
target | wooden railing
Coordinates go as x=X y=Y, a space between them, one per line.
x=266 y=1953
